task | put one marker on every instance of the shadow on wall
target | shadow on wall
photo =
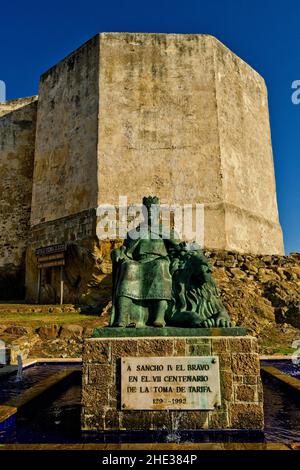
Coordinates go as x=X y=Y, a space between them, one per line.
x=12 y=283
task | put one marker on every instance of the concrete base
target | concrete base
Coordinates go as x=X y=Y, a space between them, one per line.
x=241 y=388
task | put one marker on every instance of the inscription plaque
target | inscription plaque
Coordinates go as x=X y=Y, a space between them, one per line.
x=162 y=383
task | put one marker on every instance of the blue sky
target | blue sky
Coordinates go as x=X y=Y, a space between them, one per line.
x=265 y=33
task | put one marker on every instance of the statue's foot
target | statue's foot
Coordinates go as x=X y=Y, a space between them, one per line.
x=159 y=323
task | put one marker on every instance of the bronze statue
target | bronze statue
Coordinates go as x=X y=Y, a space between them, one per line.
x=159 y=280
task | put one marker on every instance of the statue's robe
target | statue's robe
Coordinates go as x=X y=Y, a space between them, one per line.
x=144 y=271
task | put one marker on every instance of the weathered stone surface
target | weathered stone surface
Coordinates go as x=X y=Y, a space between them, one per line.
x=227 y=385
x=242 y=345
x=97 y=351
x=71 y=331
x=207 y=93
x=242 y=413
x=112 y=419
x=179 y=347
x=49 y=331
x=269 y=309
x=16 y=330
x=161 y=346
x=124 y=348
x=198 y=347
x=247 y=364
x=218 y=420
x=220 y=345
x=92 y=395
x=65 y=170
x=245 y=393
x=225 y=360
x=17 y=137
x=100 y=374
x=190 y=419
x=241 y=390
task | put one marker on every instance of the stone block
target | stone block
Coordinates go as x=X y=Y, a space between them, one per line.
x=242 y=345
x=247 y=416
x=245 y=393
x=161 y=346
x=123 y=347
x=97 y=351
x=219 y=345
x=179 y=347
x=100 y=374
x=227 y=385
x=112 y=419
x=95 y=396
x=245 y=364
x=199 y=347
x=225 y=360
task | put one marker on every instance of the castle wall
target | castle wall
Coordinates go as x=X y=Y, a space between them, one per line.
x=248 y=179
x=65 y=170
x=184 y=118
x=17 y=136
x=158 y=126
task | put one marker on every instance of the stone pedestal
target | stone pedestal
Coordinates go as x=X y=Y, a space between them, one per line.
x=240 y=383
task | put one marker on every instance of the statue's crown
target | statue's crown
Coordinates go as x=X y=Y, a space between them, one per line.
x=150 y=200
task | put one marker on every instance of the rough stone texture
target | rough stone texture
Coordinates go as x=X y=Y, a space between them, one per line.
x=193 y=117
x=12 y=105
x=65 y=172
x=242 y=404
x=261 y=293
x=182 y=110
x=17 y=136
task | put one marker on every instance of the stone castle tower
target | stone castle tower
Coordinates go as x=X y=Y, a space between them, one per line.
x=178 y=116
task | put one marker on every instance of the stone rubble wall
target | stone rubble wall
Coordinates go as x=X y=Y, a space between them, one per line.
x=261 y=293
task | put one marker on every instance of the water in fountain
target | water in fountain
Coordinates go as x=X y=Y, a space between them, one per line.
x=173 y=433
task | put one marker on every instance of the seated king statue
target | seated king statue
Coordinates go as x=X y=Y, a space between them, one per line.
x=160 y=281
